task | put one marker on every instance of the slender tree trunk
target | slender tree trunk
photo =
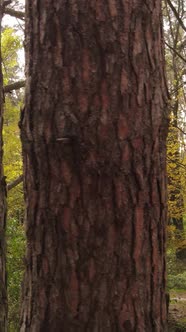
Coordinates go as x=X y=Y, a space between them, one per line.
x=3 y=293
x=93 y=132
x=175 y=196
x=176 y=208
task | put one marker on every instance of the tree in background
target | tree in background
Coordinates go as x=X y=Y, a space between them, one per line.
x=3 y=291
x=11 y=44
x=9 y=65
x=93 y=133
x=15 y=229
x=175 y=68
x=175 y=41
x=13 y=170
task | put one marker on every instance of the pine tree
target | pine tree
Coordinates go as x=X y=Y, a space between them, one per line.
x=93 y=133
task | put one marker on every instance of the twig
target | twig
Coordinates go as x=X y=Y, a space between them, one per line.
x=14 y=183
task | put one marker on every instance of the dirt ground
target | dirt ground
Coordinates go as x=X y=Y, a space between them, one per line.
x=177 y=312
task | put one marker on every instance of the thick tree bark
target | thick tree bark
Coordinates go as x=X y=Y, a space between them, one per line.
x=3 y=293
x=93 y=132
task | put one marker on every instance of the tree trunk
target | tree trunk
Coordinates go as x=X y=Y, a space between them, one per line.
x=175 y=67
x=93 y=132
x=3 y=293
x=175 y=195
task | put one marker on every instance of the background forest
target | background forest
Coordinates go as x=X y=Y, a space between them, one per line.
x=13 y=74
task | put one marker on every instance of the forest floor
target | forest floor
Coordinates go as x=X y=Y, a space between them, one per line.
x=177 y=311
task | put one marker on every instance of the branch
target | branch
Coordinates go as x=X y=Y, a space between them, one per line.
x=14 y=86
x=6 y=3
x=14 y=183
x=176 y=15
x=182 y=131
x=176 y=162
x=182 y=45
x=178 y=54
x=15 y=13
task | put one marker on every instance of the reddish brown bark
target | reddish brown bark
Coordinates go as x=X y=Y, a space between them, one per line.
x=93 y=133
x=3 y=293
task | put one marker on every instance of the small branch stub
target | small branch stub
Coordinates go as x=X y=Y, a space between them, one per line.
x=63 y=139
